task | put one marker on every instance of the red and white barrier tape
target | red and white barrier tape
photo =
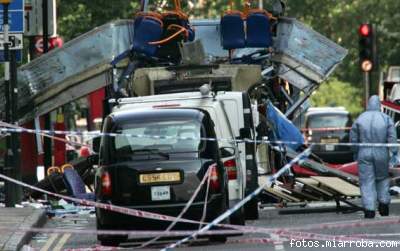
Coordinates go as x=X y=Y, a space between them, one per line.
x=124 y=210
x=44 y=134
x=353 y=224
x=240 y=204
x=142 y=234
x=235 y=241
x=245 y=229
x=252 y=241
x=277 y=231
x=246 y=140
x=187 y=206
x=96 y=248
x=118 y=209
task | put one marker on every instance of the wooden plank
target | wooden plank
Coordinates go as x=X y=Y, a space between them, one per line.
x=297 y=191
x=314 y=184
x=278 y=192
x=308 y=192
x=308 y=181
x=339 y=185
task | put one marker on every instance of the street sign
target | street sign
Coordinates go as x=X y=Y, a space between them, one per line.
x=18 y=54
x=34 y=18
x=16 y=22
x=15 y=41
x=54 y=42
x=16 y=16
x=15 y=5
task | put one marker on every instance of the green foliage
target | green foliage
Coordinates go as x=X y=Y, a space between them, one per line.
x=338 y=93
x=76 y=17
x=336 y=19
x=339 y=20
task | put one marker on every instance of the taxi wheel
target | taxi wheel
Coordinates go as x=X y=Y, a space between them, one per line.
x=238 y=218
x=109 y=243
x=109 y=240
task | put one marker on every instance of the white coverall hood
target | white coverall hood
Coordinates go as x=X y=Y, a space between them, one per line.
x=374 y=104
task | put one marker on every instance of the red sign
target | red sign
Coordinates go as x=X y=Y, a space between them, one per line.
x=54 y=42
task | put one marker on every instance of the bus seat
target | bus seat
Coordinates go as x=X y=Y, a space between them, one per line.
x=75 y=185
x=147 y=29
x=258 y=30
x=232 y=31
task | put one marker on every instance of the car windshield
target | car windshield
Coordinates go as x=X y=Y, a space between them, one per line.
x=327 y=120
x=158 y=136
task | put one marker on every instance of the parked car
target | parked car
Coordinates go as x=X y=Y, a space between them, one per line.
x=329 y=125
x=158 y=174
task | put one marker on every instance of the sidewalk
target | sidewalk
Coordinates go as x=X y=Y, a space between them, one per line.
x=15 y=218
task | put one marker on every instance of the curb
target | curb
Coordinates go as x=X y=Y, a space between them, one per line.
x=19 y=239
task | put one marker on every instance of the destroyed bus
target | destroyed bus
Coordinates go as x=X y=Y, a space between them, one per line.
x=277 y=61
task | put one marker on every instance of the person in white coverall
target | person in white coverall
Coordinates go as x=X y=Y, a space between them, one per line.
x=373 y=126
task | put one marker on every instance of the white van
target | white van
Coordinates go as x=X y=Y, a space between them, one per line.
x=232 y=115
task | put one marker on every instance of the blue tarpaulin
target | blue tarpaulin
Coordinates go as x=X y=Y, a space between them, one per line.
x=283 y=129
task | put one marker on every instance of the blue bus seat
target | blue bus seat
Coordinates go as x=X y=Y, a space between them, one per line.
x=75 y=185
x=258 y=29
x=232 y=31
x=147 y=29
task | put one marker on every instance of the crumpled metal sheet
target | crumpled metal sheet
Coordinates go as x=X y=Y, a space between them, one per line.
x=306 y=51
x=83 y=58
x=208 y=32
x=86 y=51
x=58 y=70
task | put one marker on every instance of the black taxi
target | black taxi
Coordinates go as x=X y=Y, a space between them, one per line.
x=154 y=162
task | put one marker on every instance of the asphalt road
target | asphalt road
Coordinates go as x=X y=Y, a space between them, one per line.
x=269 y=217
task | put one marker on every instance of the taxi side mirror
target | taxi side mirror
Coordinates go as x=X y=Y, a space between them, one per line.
x=227 y=152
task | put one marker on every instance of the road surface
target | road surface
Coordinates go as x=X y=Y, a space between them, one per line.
x=269 y=217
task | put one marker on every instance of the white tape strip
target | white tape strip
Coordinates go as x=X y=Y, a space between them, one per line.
x=241 y=203
x=40 y=133
x=184 y=210
x=123 y=210
x=244 y=229
x=252 y=141
x=141 y=234
x=277 y=231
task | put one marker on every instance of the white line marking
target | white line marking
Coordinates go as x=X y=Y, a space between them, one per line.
x=49 y=242
x=278 y=242
x=61 y=242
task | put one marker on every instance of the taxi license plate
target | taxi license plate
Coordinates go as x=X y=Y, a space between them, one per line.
x=151 y=178
x=329 y=141
x=329 y=148
x=160 y=193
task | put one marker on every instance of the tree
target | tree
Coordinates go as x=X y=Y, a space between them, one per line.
x=337 y=20
x=338 y=93
x=76 y=17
